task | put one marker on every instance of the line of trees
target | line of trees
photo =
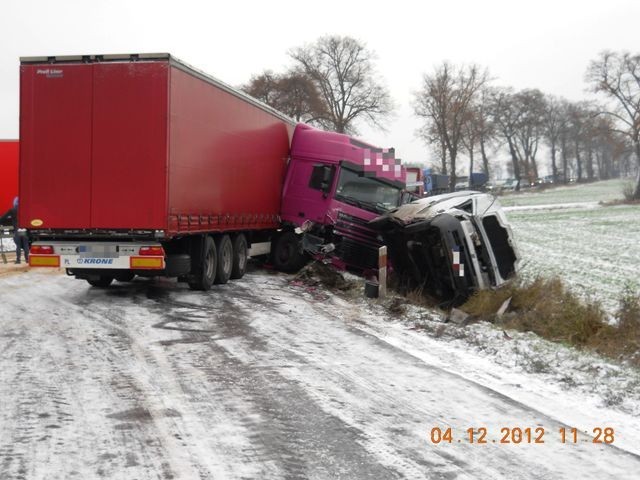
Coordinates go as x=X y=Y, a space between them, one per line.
x=333 y=83
x=463 y=112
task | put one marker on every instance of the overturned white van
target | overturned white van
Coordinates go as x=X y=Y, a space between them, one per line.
x=450 y=245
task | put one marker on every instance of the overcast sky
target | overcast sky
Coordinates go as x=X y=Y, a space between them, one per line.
x=525 y=44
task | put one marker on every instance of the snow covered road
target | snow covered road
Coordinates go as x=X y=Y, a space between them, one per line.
x=257 y=379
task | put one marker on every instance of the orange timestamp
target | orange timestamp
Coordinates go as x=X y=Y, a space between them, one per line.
x=518 y=435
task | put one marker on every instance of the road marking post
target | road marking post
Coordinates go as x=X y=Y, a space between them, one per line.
x=382 y=272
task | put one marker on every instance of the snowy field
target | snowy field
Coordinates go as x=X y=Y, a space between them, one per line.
x=604 y=191
x=265 y=378
x=566 y=232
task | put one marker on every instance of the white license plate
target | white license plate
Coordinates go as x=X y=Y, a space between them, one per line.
x=98 y=251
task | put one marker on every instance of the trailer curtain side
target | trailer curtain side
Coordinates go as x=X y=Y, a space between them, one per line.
x=145 y=144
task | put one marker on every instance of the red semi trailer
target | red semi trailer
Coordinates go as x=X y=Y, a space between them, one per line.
x=141 y=164
x=8 y=173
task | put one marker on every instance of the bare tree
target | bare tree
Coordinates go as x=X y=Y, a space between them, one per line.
x=300 y=98
x=432 y=138
x=485 y=126
x=479 y=131
x=529 y=129
x=617 y=76
x=342 y=70
x=554 y=123
x=506 y=116
x=444 y=103
x=577 y=129
x=597 y=138
x=602 y=146
x=264 y=87
x=563 y=138
x=293 y=93
x=471 y=137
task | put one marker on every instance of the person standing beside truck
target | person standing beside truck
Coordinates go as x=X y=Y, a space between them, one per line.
x=19 y=234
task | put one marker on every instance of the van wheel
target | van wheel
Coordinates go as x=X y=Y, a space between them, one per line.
x=204 y=277
x=103 y=281
x=240 y=257
x=225 y=259
x=287 y=255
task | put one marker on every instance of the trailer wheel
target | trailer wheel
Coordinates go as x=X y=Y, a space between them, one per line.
x=287 y=255
x=204 y=277
x=103 y=281
x=225 y=259
x=240 y=256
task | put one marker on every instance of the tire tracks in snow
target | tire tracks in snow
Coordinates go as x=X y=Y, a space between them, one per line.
x=288 y=436
x=254 y=379
x=498 y=402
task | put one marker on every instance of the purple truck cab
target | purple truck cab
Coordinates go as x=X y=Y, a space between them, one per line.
x=334 y=186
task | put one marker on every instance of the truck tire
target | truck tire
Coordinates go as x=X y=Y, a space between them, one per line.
x=103 y=281
x=225 y=259
x=287 y=255
x=240 y=257
x=205 y=275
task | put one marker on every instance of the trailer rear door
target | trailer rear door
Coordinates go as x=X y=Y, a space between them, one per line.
x=55 y=138
x=129 y=171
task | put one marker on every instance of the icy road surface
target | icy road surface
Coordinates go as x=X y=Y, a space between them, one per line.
x=258 y=379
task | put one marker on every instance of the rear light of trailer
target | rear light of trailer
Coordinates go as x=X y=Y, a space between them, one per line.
x=146 y=263
x=44 y=260
x=152 y=251
x=41 y=250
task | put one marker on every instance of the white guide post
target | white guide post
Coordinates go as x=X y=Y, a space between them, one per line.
x=382 y=272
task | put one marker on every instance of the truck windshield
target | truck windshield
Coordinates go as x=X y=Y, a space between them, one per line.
x=366 y=192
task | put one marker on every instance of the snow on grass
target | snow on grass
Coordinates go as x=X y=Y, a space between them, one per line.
x=606 y=383
x=604 y=191
x=594 y=250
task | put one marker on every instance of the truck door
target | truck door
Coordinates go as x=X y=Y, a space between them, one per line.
x=307 y=190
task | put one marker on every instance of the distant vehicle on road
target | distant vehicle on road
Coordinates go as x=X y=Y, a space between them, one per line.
x=508 y=184
x=477 y=181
